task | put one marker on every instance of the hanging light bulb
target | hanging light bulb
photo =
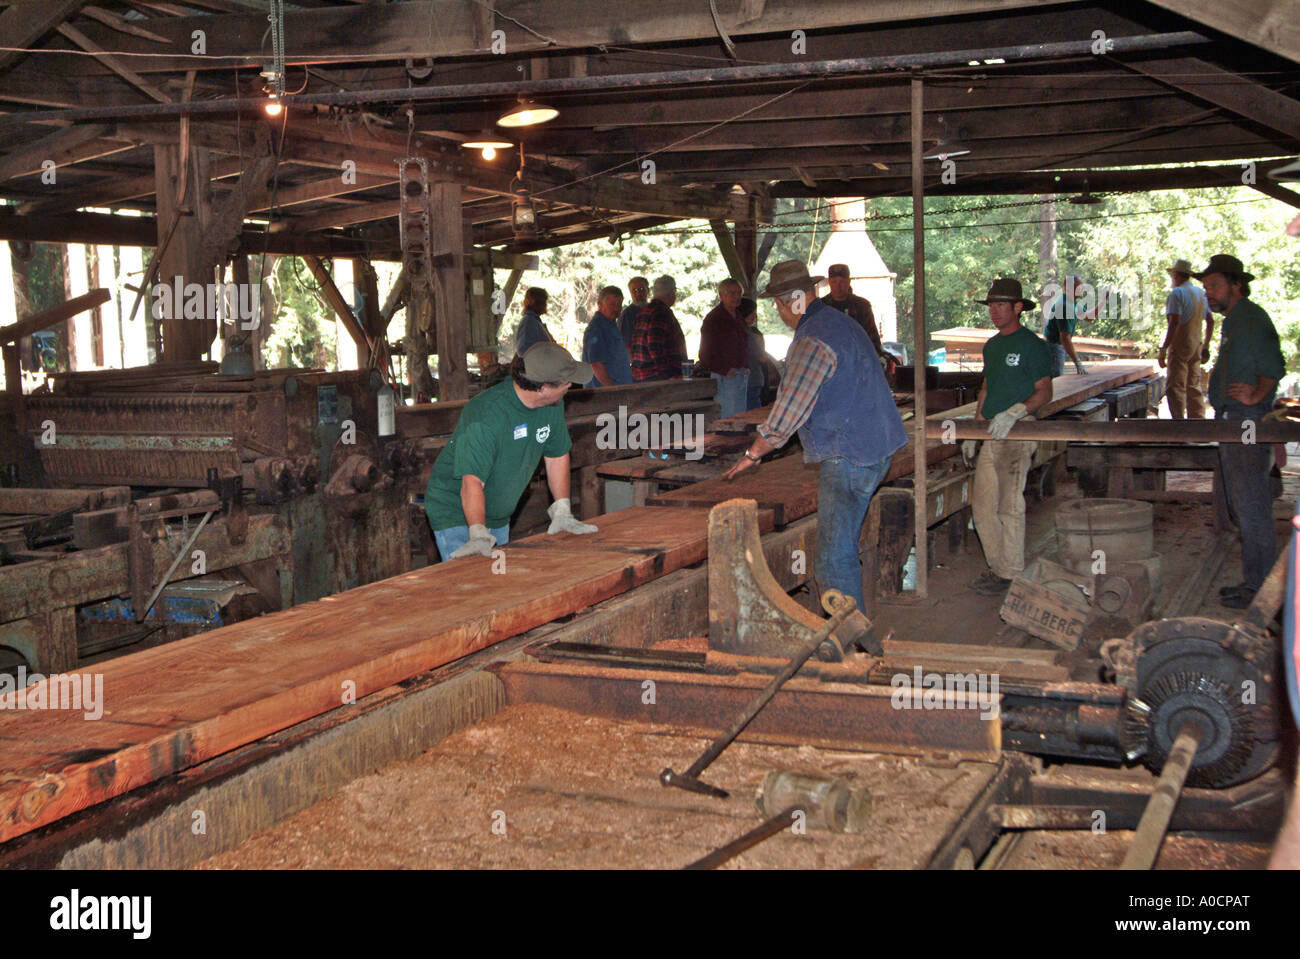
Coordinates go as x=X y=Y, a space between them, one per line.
x=489 y=143
x=274 y=106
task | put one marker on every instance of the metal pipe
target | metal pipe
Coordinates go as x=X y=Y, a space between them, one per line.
x=832 y=599
x=1121 y=431
x=752 y=838
x=1155 y=818
x=1268 y=600
x=140 y=617
x=920 y=467
x=791 y=71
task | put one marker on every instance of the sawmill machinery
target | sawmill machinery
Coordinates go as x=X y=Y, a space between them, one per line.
x=1220 y=679
x=291 y=480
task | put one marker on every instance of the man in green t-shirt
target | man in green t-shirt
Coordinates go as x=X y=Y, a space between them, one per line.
x=1243 y=385
x=1017 y=381
x=501 y=436
x=1062 y=316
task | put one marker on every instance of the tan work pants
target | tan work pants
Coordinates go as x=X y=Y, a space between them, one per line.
x=999 y=503
x=1183 y=385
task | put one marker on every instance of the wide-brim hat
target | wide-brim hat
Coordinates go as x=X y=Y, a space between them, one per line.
x=788 y=276
x=1225 y=263
x=1007 y=290
x=1180 y=266
x=551 y=363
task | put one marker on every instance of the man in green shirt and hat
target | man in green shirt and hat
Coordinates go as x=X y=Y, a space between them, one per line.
x=501 y=436
x=1017 y=381
x=1243 y=385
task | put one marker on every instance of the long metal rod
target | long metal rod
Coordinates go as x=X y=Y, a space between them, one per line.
x=920 y=466
x=749 y=840
x=1123 y=431
x=690 y=779
x=462 y=91
x=1160 y=809
x=140 y=617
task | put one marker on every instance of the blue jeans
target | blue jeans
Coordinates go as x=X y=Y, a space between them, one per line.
x=454 y=537
x=1245 y=470
x=844 y=492
x=1059 y=356
x=733 y=390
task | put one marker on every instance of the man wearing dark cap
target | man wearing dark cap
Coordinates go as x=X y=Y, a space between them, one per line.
x=842 y=298
x=501 y=436
x=1243 y=385
x=1017 y=381
x=835 y=395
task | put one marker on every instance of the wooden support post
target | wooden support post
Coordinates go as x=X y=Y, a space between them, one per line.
x=368 y=283
x=447 y=243
x=183 y=204
x=747 y=248
x=341 y=307
x=918 y=329
x=14 y=382
x=730 y=255
x=58 y=649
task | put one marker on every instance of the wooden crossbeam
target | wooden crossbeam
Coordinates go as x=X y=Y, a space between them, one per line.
x=342 y=308
x=367 y=33
x=1270 y=24
x=23 y=26
x=69 y=145
x=55 y=314
x=1239 y=94
x=113 y=63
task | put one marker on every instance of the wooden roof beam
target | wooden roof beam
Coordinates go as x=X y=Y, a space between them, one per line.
x=1236 y=93
x=396 y=31
x=22 y=26
x=1271 y=24
x=69 y=145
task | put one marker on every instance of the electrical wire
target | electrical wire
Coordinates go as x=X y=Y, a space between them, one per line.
x=787 y=228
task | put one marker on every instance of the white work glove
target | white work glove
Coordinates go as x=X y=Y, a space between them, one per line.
x=562 y=520
x=1002 y=423
x=1080 y=368
x=969 y=450
x=480 y=543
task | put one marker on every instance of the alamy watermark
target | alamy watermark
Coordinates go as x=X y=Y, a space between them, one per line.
x=84 y=691
x=922 y=690
x=651 y=431
x=208 y=301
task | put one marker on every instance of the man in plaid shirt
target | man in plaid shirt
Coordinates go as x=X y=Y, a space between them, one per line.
x=658 y=348
x=834 y=394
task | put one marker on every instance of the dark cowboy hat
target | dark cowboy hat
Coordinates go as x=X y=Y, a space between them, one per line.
x=1223 y=263
x=788 y=276
x=1007 y=290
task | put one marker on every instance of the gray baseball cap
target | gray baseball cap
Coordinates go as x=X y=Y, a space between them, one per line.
x=551 y=363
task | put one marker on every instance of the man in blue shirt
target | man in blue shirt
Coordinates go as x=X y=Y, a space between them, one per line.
x=602 y=344
x=639 y=289
x=834 y=394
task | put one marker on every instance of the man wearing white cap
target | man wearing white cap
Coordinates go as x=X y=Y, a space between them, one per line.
x=501 y=436
x=1181 y=353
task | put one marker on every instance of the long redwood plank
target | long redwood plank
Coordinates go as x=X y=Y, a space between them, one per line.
x=176 y=705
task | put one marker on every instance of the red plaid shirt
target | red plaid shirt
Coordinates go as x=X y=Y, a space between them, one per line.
x=808 y=365
x=658 y=348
